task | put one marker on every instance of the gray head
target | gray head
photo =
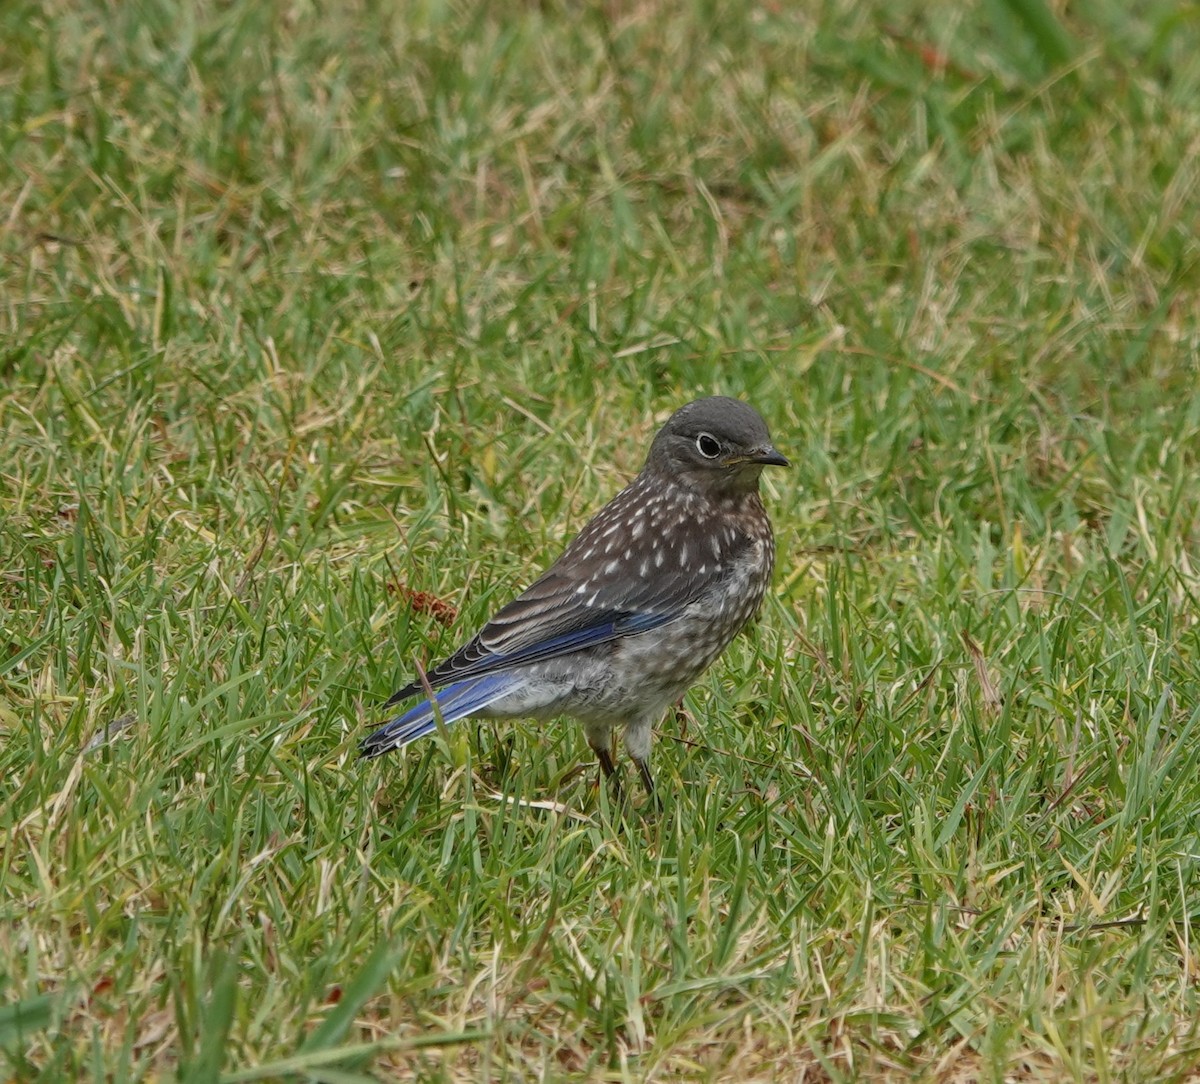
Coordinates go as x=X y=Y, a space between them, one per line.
x=716 y=444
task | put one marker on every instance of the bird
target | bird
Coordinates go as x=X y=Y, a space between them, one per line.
x=638 y=606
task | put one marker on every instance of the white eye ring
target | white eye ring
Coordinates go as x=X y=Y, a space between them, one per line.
x=708 y=446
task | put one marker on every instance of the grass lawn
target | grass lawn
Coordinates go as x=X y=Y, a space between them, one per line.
x=324 y=326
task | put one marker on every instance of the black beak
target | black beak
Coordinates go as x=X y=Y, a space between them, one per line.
x=768 y=457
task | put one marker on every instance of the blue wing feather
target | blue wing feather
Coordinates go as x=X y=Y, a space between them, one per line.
x=462 y=666
x=453 y=703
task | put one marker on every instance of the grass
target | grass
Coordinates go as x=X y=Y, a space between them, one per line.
x=318 y=322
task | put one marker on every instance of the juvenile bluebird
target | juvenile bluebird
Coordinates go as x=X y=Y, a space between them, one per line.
x=639 y=605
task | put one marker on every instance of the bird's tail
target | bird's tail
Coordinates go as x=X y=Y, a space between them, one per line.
x=454 y=702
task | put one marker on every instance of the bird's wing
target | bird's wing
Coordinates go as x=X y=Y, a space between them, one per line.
x=635 y=567
x=457 y=702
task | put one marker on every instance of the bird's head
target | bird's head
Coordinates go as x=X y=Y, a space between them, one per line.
x=716 y=445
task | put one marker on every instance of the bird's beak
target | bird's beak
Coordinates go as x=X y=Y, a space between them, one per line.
x=767 y=456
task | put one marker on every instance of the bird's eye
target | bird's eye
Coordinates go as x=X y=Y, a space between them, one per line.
x=708 y=446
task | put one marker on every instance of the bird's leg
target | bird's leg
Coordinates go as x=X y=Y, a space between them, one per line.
x=604 y=755
x=643 y=770
x=643 y=767
x=637 y=742
x=606 y=761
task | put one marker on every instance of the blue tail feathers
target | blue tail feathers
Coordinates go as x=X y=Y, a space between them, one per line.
x=455 y=702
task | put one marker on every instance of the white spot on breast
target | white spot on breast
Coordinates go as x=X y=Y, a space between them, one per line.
x=683 y=556
x=658 y=558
